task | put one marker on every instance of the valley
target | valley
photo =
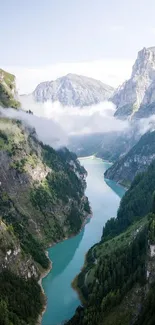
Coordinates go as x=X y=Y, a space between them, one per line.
x=68 y=257
x=100 y=267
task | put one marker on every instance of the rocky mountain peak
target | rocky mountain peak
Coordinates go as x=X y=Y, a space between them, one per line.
x=139 y=90
x=73 y=90
x=145 y=63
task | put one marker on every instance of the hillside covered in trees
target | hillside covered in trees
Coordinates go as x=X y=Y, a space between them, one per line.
x=42 y=201
x=116 y=284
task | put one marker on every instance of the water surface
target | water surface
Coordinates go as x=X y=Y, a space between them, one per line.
x=68 y=256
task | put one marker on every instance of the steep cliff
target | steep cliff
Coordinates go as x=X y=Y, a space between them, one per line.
x=135 y=161
x=137 y=93
x=41 y=201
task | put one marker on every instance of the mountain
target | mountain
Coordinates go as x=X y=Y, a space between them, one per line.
x=73 y=90
x=135 y=161
x=108 y=146
x=42 y=201
x=117 y=282
x=8 y=92
x=137 y=95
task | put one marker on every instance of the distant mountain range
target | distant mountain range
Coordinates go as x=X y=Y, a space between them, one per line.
x=73 y=90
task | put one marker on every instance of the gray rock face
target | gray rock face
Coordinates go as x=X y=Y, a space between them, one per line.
x=73 y=90
x=139 y=91
x=136 y=160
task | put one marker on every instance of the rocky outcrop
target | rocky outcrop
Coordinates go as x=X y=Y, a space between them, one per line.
x=73 y=90
x=41 y=198
x=139 y=91
x=135 y=161
x=8 y=92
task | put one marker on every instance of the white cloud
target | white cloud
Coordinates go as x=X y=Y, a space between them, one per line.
x=112 y=72
x=48 y=131
x=74 y=120
x=54 y=123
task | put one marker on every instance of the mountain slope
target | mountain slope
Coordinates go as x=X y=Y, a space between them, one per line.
x=109 y=145
x=73 y=90
x=116 y=284
x=136 y=160
x=41 y=201
x=139 y=91
x=8 y=93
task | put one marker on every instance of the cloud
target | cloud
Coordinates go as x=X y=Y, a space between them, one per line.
x=48 y=131
x=75 y=120
x=112 y=72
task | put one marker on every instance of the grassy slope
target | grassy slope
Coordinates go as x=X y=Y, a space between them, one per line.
x=7 y=90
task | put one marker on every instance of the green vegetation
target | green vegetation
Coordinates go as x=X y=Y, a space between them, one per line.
x=147 y=315
x=136 y=203
x=41 y=201
x=110 y=273
x=20 y=300
x=28 y=243
x=112 y=284
x=7 y=88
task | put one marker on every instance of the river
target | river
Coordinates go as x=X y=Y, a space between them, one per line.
x=68 y=256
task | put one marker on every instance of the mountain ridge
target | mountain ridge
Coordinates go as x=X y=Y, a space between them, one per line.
x=73 y=90
x=137 y=91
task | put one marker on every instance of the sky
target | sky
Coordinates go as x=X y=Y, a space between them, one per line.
x=42 y=40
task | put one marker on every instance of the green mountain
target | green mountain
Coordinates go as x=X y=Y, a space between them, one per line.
x=117 y=282
x=8 y=93
x=42 y=201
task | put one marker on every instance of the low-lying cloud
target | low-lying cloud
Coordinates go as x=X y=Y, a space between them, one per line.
x=77 y=120
x=48 y=131
x=54 y=124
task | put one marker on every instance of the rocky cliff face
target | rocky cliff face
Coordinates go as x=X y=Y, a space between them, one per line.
x=73 y=90
x=8 y=92
x=42 y=201
x=139 y=91
x=45 y=186
x=135 y=161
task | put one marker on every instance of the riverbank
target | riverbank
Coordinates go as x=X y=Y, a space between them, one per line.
x=68 y=257
x=43 y=275
x=46 y=272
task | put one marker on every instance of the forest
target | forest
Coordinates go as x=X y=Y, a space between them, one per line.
x=116 y=268
x=21 y=300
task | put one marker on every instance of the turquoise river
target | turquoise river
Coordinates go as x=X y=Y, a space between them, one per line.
x=68 y=256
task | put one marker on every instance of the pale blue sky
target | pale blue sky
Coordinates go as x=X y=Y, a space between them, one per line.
x=39 y=33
